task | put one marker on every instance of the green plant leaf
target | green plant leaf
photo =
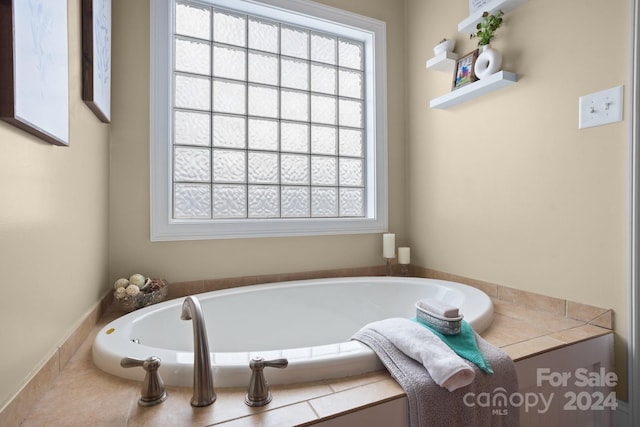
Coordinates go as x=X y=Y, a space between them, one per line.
x=487 y=27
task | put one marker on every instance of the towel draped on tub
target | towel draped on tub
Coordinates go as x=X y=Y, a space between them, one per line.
x=427 y=369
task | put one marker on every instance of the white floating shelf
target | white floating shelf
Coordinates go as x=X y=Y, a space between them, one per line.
x=443 y=62
x=468 y=26
x=473 y=90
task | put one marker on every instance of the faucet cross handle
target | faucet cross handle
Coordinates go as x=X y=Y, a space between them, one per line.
x=153 y=390
x=258 y=393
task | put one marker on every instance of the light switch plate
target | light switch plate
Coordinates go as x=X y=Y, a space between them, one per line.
x=600 y=108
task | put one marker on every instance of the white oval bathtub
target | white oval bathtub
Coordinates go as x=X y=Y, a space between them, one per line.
x=308 y=321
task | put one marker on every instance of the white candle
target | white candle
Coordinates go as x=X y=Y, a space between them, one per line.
x=404 y=256
x=389 y=245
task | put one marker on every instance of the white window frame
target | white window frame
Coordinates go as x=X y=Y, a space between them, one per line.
x=311 y=15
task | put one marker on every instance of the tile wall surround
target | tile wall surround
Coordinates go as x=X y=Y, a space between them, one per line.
x=525 y=324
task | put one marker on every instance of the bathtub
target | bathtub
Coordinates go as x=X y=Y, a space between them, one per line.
x=307 y=321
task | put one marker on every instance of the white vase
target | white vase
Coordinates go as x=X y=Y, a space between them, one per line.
x=488 y=62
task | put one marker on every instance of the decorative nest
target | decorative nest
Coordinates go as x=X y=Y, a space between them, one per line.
x=154 y=291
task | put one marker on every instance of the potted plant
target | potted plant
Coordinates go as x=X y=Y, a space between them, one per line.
x=487 y=27
x=489 y=60
x=444 y=45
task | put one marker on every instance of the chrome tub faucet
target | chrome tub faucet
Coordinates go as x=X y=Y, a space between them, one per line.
x=203 y=393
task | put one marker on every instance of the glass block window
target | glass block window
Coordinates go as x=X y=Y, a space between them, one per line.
x=265 y=121
x=268 y=118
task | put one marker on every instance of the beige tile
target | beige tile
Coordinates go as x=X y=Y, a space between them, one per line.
x=182 y=289
x=75 y=340
x=82 y=359
x=375 y=270
x=392 y=413
x=418 y=271
x=435 y=274
x=34 y=390
x=490 y=289
x=177 y=410
x=506 y=331
x=583 y=312
x=293 y=415
x=580 y=333
x=84 y=398
x=355 y=398
x=530 y=299
x=68 y=348
x=229 y=405
x=544 y=320
x=605 y=320
x=292 y=393
x=235 y=282
x=106 y=302
x=342 y=384
x=532 y=347
x=66 y=396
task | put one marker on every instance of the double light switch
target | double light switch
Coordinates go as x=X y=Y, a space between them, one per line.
x=600 y=108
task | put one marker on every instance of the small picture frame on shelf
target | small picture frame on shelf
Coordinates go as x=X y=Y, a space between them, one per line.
x=463 y=73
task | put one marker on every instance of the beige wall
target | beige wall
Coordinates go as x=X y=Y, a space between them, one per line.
x=505 y=188
x=53 y=231
x=130 y=248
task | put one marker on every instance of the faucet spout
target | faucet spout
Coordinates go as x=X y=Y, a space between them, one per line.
x=203 y=393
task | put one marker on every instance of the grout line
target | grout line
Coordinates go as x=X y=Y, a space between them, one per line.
x=318 y=417
x=129 y=411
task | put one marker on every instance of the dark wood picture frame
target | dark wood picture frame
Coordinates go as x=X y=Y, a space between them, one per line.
x=96 y=57
x=463 y=73
x=34 y=68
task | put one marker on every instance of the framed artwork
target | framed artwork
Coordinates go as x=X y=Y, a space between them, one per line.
x=34 y=67
x=476 y=5
x=463 y=73
x=96 y=57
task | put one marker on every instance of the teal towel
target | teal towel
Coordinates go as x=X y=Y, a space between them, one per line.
x=463 y=344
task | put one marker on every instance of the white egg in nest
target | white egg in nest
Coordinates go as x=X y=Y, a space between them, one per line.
x=137 y=279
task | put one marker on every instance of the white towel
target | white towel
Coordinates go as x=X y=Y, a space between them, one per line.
x=445 y=367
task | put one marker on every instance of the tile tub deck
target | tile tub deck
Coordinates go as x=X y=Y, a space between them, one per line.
x=525 y=325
